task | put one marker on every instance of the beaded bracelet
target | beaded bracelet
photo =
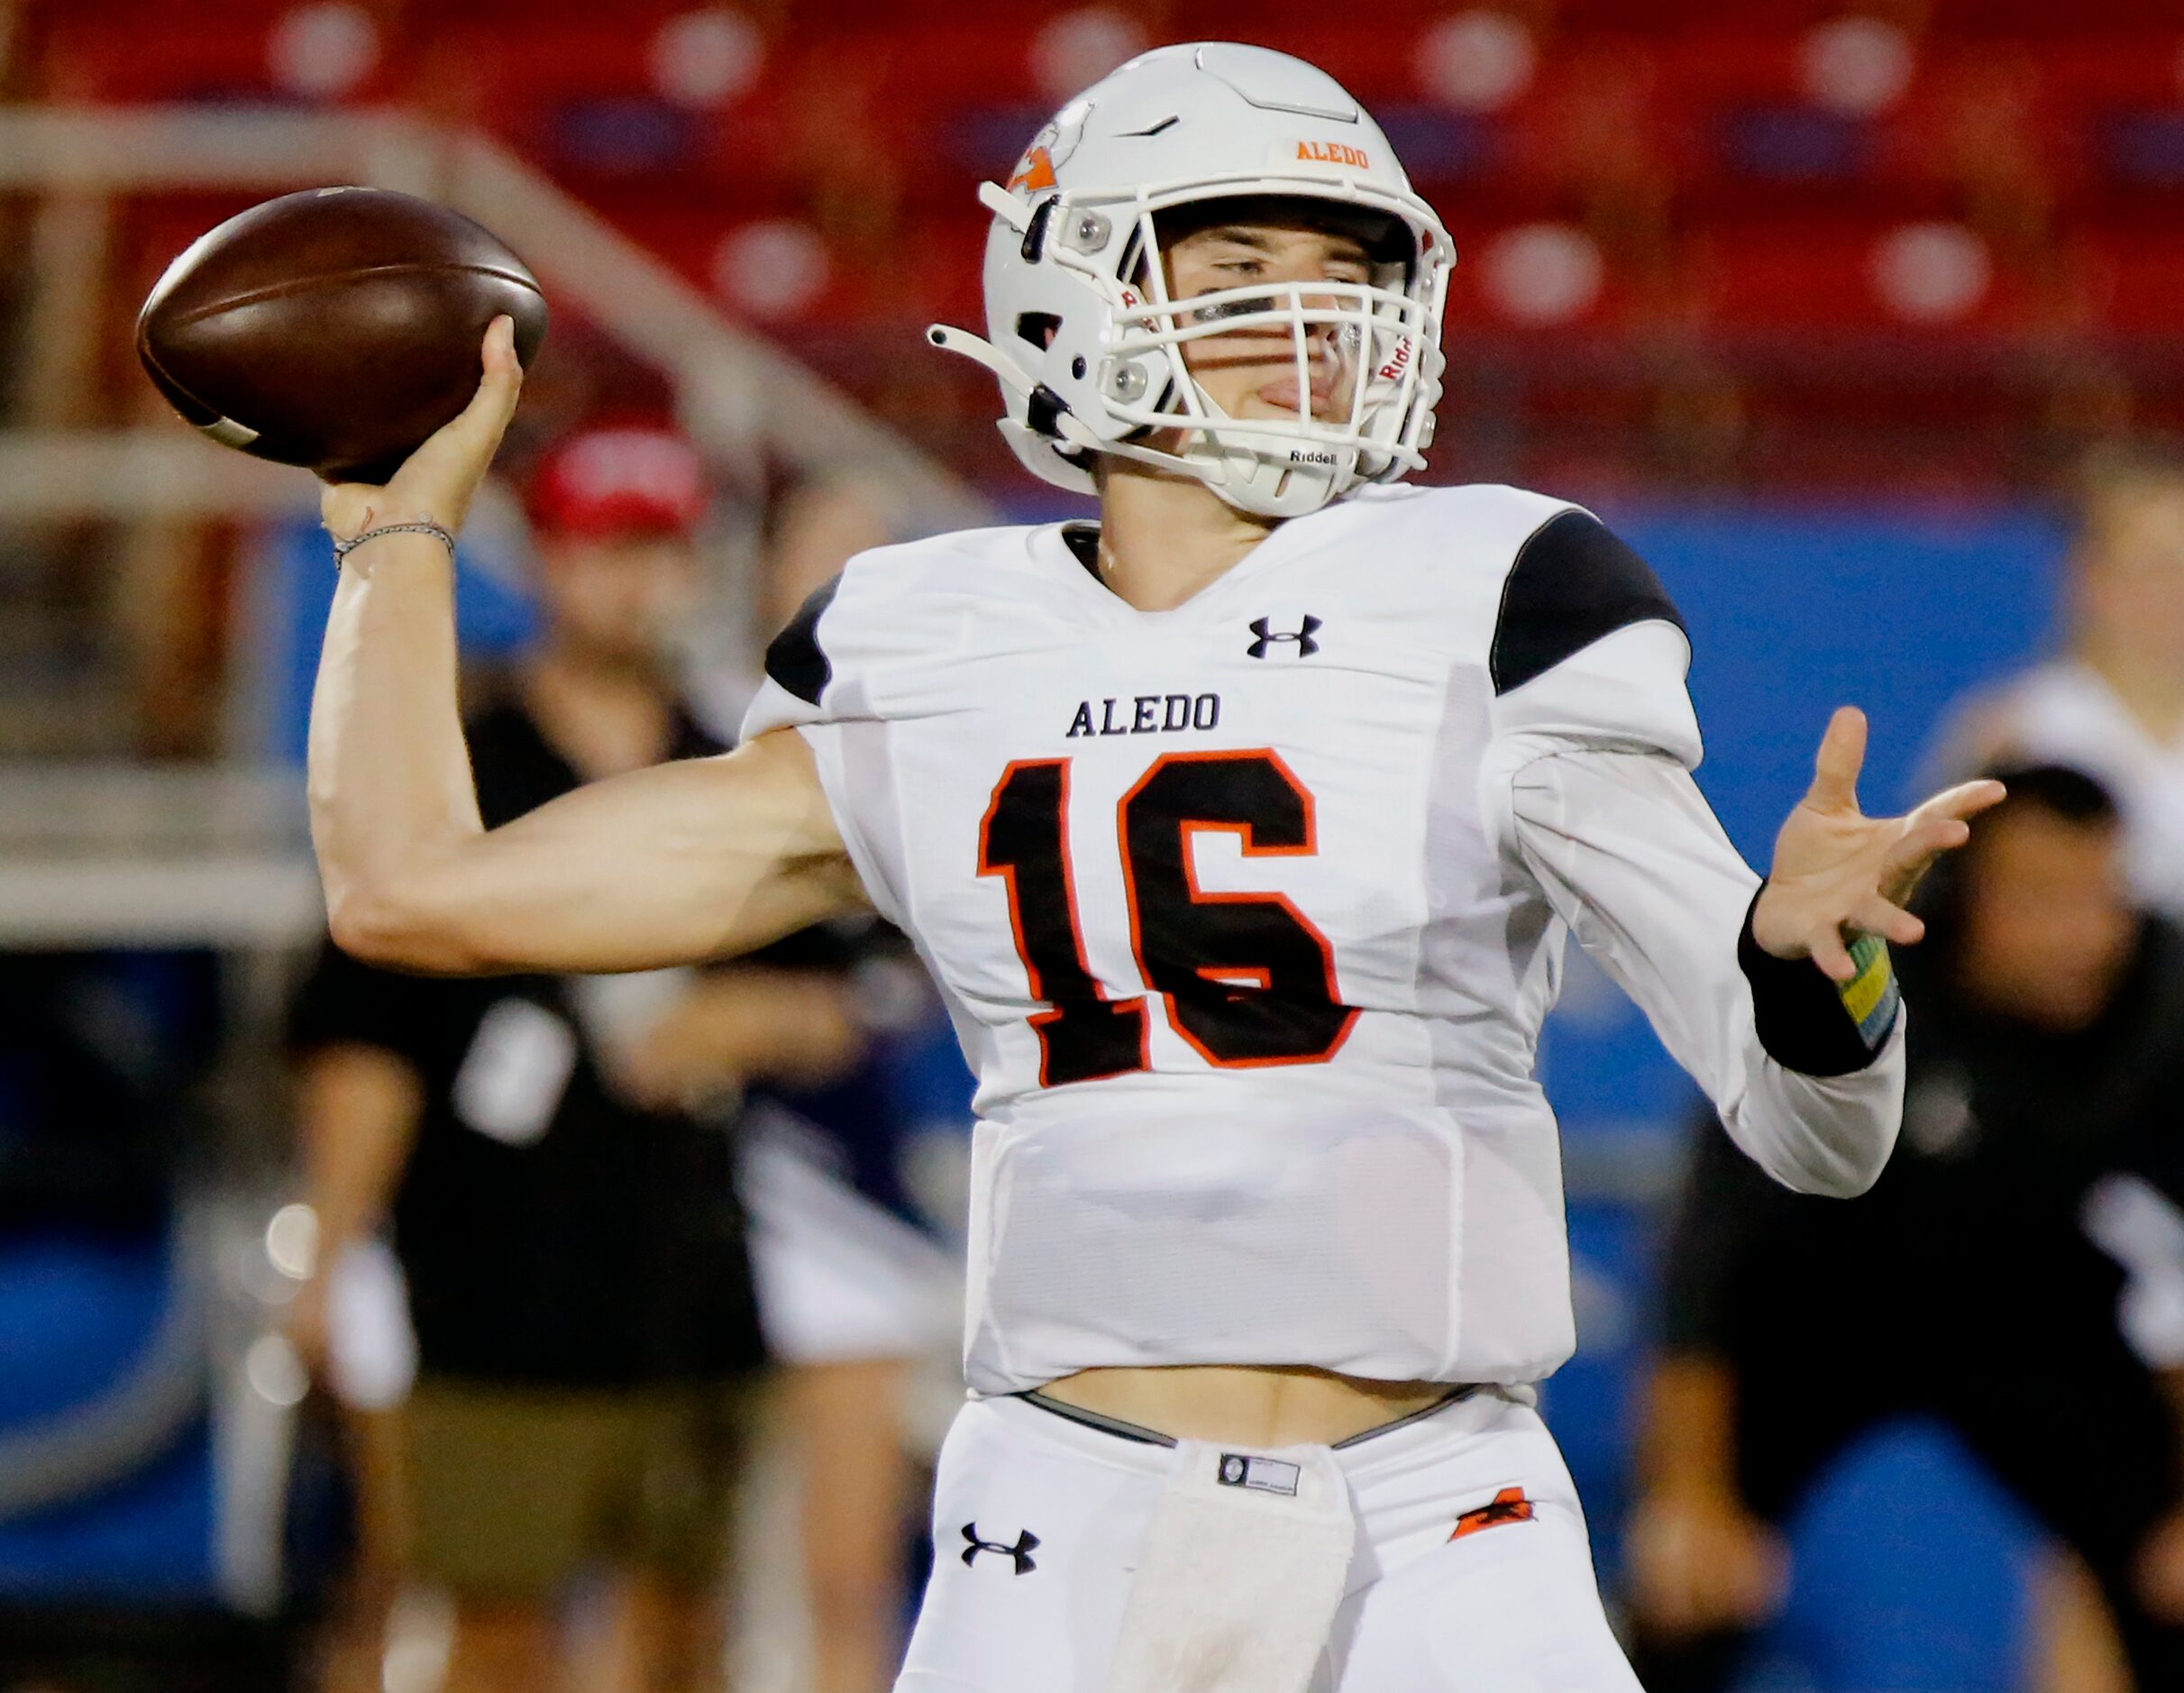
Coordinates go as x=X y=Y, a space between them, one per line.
x=342 y=549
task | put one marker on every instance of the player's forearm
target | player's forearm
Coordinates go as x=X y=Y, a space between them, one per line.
x=390 y=784
x=2172 y=1379
x=1687 y=1439
x=358 y=1109
x=686 y=861
x=1824 y=1069
x=1626 y=850
x=1829 y=1135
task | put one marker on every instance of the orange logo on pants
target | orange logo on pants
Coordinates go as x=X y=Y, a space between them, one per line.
x=1509 y=1506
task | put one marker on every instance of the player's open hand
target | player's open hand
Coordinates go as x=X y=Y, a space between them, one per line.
x=436 y=482
x=1699 y=1562
x=747 y=1024
x=1838 y=873
x=307 y=1322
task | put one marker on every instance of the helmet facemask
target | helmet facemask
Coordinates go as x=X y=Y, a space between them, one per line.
x=1109 y=369
x=1346 y=351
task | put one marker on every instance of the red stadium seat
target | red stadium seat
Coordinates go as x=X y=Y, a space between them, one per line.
x=255 y=51
x=1619 y=175
x=1811 y=274
x=1547 y=277
x=2127 y=280
x=152 y=230
x=1982 y=114
x=936 y=279
x=1665 y=19
x=2060 y=24
x=1816 y=119
x=2121 y=103
x=621 y=103
x=1586 y=130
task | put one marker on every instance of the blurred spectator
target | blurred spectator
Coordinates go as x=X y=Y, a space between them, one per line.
x=566 y=1219
x=2018 y=1272
x=853 y=1290
x=2111 y=703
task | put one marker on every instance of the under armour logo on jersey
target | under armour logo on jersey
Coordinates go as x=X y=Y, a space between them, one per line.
x=1268 y=637
x=1019 y=1554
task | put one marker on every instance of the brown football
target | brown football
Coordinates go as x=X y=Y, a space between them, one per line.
x=335 y=328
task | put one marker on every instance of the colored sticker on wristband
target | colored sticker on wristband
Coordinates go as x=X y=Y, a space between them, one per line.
x=1871 y=996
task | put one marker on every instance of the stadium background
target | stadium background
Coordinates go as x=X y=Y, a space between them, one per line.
x=1815 y=303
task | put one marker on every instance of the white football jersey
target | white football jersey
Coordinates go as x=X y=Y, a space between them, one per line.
x=1248 y=914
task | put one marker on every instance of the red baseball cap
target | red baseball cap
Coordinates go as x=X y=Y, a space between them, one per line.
x=616 y=481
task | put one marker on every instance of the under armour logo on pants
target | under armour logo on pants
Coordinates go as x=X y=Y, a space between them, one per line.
x=1019 y=1554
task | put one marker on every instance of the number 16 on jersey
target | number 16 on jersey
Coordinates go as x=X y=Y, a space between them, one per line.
x=1245 y=978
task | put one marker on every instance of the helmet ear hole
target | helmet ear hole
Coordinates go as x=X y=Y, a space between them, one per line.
x=1039 y=328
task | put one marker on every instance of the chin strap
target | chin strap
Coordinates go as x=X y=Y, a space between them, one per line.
x=979 y=351
x=1005 y=206
x=1235 y=473
x=1043 y=407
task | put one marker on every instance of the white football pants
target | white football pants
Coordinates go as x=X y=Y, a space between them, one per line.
x=1039 y=1521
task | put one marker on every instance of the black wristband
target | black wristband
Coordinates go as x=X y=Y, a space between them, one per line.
x=1810 y=1024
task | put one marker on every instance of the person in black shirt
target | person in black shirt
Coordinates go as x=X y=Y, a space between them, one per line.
x=857 y=1289
x=2012 y=1273
x=568 y=1226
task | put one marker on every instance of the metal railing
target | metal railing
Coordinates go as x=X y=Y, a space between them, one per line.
x=735 y=391
x=89 y=854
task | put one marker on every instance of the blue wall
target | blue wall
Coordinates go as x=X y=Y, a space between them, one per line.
x=1909 y=1562
x=1792 y=612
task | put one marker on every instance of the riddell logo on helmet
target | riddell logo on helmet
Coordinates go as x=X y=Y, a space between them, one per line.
x=1398 y=362
x=1333 y=153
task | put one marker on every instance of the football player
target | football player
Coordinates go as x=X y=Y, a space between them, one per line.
x=1242 y=830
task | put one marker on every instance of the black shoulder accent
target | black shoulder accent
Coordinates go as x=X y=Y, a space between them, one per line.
x=794 y=657
x=1573 y=582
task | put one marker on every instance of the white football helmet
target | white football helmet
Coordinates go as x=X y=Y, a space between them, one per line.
x=1088 y=346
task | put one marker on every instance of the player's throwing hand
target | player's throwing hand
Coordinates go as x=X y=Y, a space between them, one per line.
x=436 y=482
x=1838 y=872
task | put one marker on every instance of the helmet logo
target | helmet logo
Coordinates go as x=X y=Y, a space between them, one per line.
x=1033 y=172
x=1398 y=362
x=1050 y=149
x=1334 y=153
